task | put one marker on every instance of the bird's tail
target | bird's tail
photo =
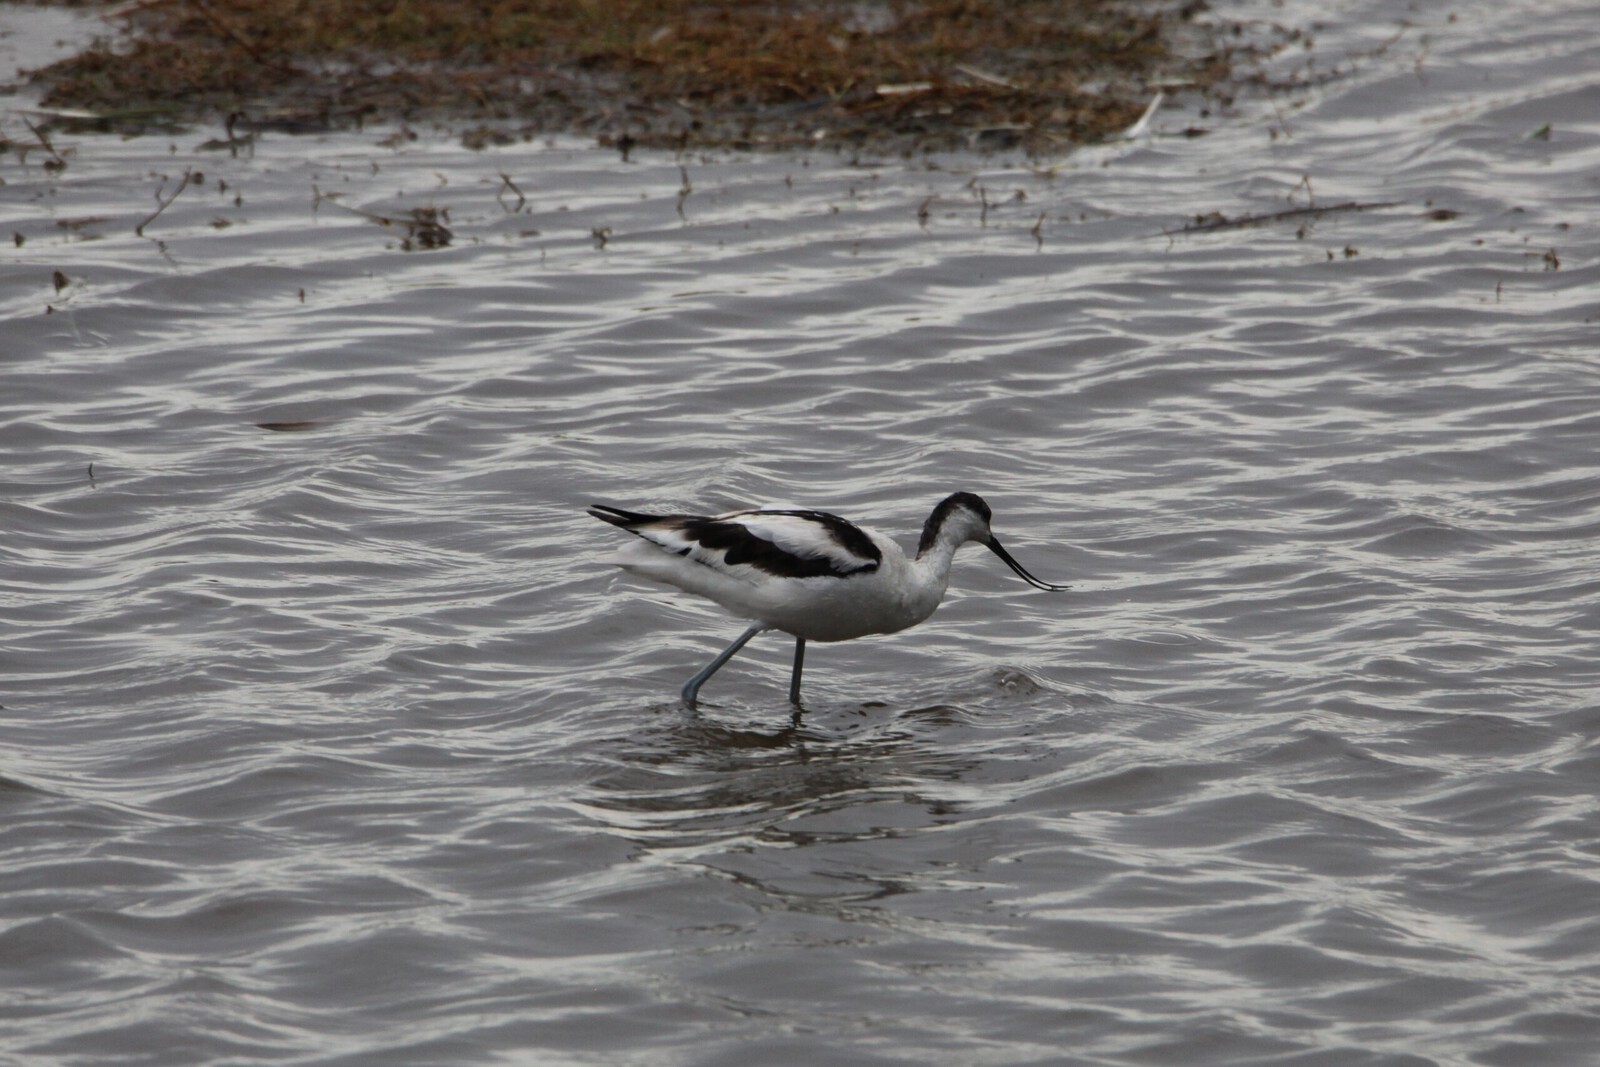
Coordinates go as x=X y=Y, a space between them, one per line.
x=617 y=517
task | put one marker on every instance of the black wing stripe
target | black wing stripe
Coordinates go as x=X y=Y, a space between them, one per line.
x=847 y=535
x=734 y=544
x=739 y=546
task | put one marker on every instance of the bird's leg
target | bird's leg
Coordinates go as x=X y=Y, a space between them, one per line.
x=799 y=662
x=691 y=688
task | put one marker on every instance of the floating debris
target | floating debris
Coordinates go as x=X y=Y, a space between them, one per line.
x=507 y=183
x=1142 y=126
x=162 y=205
x=1216 y=220
x=683 y=190
x=482 y=137
x=424 y=229
x=425 y=226
x=56 y=162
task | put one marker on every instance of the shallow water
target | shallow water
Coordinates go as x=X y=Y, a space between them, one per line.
x=332 y=743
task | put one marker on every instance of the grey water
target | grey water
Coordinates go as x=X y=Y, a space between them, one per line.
x=327 y=739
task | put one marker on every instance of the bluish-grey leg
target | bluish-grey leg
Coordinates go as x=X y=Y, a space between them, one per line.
x=691 y=688
x=799 y=662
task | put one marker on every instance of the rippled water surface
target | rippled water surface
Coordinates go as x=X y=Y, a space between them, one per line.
x=332 y=742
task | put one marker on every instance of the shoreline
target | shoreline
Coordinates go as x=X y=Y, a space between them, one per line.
x=903 y=76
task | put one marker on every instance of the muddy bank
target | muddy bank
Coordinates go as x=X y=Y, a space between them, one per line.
x=906 y=74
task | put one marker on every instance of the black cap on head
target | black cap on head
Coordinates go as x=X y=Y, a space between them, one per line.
x=930 y=529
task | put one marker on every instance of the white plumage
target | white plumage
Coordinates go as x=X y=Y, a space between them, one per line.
x=809 y=574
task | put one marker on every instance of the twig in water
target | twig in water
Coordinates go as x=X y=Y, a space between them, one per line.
x=162 y=205
x=233 y=143
x=1217 y=221
x=507 y=183
x=425 y=226
x=56 y=162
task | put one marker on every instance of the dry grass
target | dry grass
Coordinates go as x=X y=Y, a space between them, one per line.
x=674 y=72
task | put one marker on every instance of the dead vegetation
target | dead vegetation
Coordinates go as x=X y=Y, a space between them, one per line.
x=663 y=73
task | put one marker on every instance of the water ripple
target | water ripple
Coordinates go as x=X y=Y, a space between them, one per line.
x=326 y=738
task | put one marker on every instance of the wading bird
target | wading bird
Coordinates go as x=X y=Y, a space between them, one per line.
x=810 y=574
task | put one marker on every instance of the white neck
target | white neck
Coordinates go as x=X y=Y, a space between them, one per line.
x=931 y=569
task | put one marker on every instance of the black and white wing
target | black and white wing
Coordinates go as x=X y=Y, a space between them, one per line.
x=776 y=543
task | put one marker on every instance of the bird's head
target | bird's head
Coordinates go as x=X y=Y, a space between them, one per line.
x=963 y=517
